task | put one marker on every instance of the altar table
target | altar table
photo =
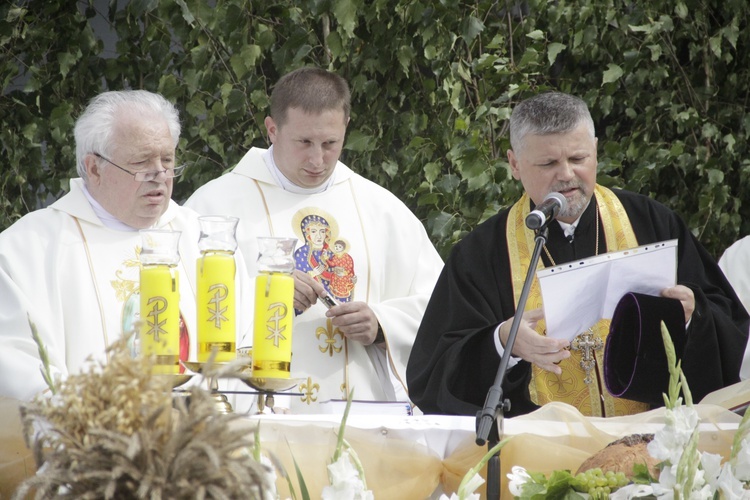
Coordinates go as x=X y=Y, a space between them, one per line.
x=422 y=456
x=415 y=457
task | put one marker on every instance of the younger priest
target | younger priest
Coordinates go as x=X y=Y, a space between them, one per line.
x=466 y=325
x=357 y=243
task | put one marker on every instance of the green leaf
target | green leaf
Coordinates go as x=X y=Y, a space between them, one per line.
x=715 y=43
x=681 y=10
x=15 y=13
x=612 y=74
x=729 y=140
x=553 y=50
x=342 y=427
x=142 y=7
x=186 y=14
x=29 y=131
x=643 y=28
x=359 y=141
x=732 y=34
x=536 y=35
x=431 y=171
x=196 y=107
x=300 y=479
x=530 y=57
x=390 y=168
x=471 y=27
x=236 y=102
x=655 y=52
x=67 y=61
x=335 y=45
x=405 y=56
x=558 y=483
x=346 y=14
x=641 y=474
x=441 y=223
x=237 y=61
x=715 y=177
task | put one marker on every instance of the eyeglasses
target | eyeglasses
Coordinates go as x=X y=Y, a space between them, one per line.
x=148 y=175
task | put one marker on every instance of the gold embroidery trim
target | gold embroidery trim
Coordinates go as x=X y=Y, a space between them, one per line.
x=95 y=283
x=618 y=234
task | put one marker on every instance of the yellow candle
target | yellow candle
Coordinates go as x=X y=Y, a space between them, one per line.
x=216 y=306
x=272 y=332
x=160 y=316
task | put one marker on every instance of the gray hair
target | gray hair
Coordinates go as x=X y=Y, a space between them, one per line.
x=93 y=129
x=546 y=114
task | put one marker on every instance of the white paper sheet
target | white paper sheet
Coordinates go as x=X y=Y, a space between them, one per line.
x=578 y=294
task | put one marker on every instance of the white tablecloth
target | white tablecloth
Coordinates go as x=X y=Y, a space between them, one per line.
x=441 y=449
x=418 y=456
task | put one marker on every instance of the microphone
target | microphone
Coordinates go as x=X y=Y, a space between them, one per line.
x=546 y=211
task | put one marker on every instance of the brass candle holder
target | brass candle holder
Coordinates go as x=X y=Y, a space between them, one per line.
x=241 y=368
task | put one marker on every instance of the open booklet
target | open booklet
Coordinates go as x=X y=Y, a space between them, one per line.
x=578 y=294
x=735 y=397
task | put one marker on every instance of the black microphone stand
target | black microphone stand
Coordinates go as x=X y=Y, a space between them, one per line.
x=490 y=418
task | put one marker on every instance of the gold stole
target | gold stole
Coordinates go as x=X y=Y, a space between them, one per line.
x=591 y=399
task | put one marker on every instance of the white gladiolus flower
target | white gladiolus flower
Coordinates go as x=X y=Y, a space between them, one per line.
x=345 y=482
x=667 y=482
x=711 y=463
x=632 y=491
x=475 y=482
x=669 y=441
x=699 y=483
x=454 y=496
x=706 y=492
x=518 y=477
x=729 y=485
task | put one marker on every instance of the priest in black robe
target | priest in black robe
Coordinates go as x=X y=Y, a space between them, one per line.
x=458 y=347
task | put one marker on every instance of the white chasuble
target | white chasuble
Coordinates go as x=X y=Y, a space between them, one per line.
x=78 y=281
x=362 y=244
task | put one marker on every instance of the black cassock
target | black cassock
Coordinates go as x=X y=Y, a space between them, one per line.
x=454 y=361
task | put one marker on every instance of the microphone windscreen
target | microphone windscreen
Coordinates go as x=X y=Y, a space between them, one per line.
x=559 y=198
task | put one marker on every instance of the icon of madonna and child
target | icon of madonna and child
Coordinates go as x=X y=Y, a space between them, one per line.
x=324 y=255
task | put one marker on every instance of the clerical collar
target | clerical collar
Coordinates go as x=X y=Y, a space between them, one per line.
x=107 y=218
x=288 y=185
x=570 y=229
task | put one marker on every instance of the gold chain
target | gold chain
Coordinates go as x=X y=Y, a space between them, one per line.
x=596 y=251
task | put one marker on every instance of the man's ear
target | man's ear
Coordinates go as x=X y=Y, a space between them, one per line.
x=271 y=128
x=513 y=164
x=93 y=170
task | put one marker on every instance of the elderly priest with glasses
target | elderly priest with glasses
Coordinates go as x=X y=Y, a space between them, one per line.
x=72 y=269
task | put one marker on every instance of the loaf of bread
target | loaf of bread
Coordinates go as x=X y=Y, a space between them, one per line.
x=622 y=455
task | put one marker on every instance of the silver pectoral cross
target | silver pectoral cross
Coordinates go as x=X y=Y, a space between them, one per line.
x=587 y=342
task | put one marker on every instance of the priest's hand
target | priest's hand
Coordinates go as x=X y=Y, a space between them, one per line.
x=306 y=290
x=685 y=296
x=545 y=352
x=356 y=321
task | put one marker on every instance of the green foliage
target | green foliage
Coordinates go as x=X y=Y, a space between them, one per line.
x=433 y=84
